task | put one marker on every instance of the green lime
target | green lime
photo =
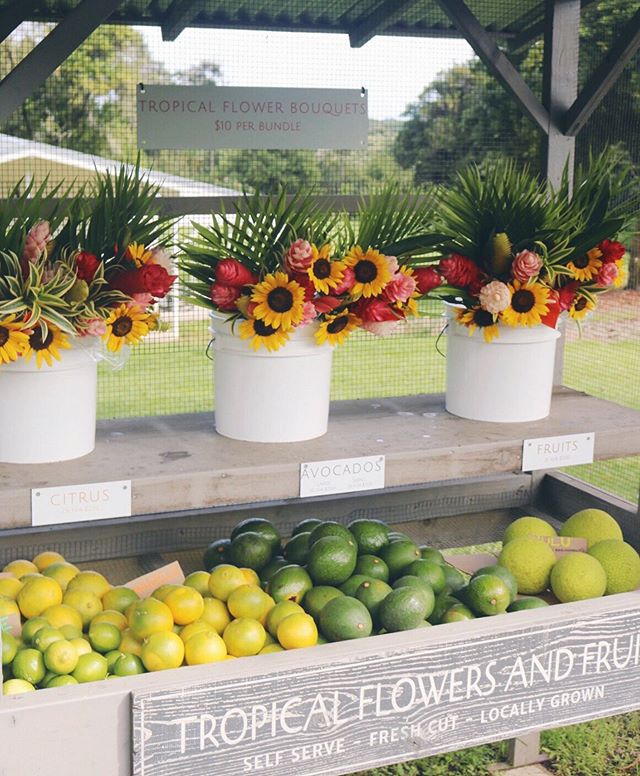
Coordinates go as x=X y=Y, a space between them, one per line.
x=430 y=553
x=431 y=572
x=104 y=637
x=530 y=561
x=621 y=564
x=316 y=599
x=250 y=550
x=272 y=566
x=279 y=612
x=331 y=528
x=46 y=636
x=503 y=573
x=488 y=594
x=61 y=657
x=28 y=664
x=443 y=602
x=331 y=560
x=290 y=583
x=259 y=525
x=398 y=556
x=578 y=576
x=306 y=526
x=345 y=618
x=405 y=608
x=112 y=659
x=128 y=665
x=350 y=587
x=31 y=627
x=453 y=579
x=91 y=667
x=64 y=680
x=370 y=535
x=372 y=593
x=372 y=566
x=297 y=548
x=457 y=613
x=9 y=648
x=216 y=553
x=526 y=602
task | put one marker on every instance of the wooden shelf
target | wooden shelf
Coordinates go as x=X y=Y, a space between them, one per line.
x=180 y=463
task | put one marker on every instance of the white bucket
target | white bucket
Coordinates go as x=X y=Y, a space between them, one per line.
x=509 y=380
x=49 y=414
x=262 y=396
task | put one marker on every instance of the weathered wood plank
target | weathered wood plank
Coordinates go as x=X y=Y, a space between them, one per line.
x=96 y=735
x=422 y=697
x=179 y=463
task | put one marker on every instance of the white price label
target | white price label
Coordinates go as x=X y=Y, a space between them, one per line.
x=77 y=503
x=552 y=452
x=343 y=475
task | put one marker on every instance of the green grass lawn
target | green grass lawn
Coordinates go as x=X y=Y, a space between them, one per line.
x=175 y=376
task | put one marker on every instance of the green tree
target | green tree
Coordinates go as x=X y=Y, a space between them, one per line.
x=88 y=103
x=465 y=115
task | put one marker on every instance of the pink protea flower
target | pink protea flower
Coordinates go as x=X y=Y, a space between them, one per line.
x=95 y=328
x=35 y=243
x=495 y=297
x=224 y=297
x=392 y=261
x=299 y=256
x=230 y=272
x=348 y=279
x=400 y=288
x=427 y=278
x=143 y=299
x=608 y=274
x=526 y=264
x=309 y=314
x=459 y=270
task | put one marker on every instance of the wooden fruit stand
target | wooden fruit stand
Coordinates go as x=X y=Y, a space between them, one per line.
x=341 y=707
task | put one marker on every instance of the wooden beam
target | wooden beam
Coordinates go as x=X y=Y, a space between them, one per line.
x=526 y=36
x=385 y=15
x=51 y=52
x=13 y=15
x=603 y=77
x=180 y=15
x=560 y=83
x=496 y=61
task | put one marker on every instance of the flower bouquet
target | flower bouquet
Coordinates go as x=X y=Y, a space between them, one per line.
x=512 y=257
x=92 y=270
x=294 y=280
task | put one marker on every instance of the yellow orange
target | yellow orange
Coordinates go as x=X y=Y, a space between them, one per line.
x=244 y=637
x=150 y=616
x=298 y=630
x=8 y=606
x=163 y=591
x=251 y=576
x=86 y=602
x=119 y=598
x=112 y=617
x=63 y=614
x=20 y=567
x=92 y=581
x=130 y=644
x=216 y=614
x=46 y=558
x=199 y=626
x=10 y=587
x=224 y=579
x=62 y=572
x=162 y=651
x=81 y=646
x=186 y=604
x=199 y=580
x=205 y=647
x=38 y=594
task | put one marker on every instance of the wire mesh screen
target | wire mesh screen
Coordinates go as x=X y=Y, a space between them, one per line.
x=433 y=107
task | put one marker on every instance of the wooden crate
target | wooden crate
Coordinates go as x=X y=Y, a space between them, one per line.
x=340 y=707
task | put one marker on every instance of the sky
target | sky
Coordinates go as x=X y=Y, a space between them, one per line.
x=394 y=70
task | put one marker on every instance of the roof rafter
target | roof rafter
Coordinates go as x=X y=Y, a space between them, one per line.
x=603 y=77
x=51 y=52
x=179 y=16
x=384 y=16
x=13 y=16
x=496 y=61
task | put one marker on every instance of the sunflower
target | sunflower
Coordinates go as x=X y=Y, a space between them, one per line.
x=336 y=328
x=47 y=347
x=580 y=308
x=280 y=301
x=324 y=273
x=529 y=303
x=126 y=325
x=621 y=278
x=12 y=340
x=586 y=267
x=371 y=270
x=262 y=334
x=481 y=319
x=138 y=253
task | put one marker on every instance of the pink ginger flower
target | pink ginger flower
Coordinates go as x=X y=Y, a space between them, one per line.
x=36 y=241
x=224 y=297
x=608 y=274
x=400 y=288
x=495 y=297
x=348 y=279
x=392 y=261
x=526 y=264
x=309 y=314
x=95 y=328
x=143 y=299
x=299 y=256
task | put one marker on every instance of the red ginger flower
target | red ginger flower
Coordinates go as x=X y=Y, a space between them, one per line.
x=567 y=294
x=427 y=278
x=230 y=272
x=224 y=297
x=611 y=250
x=86 y=265
x=459 y=270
